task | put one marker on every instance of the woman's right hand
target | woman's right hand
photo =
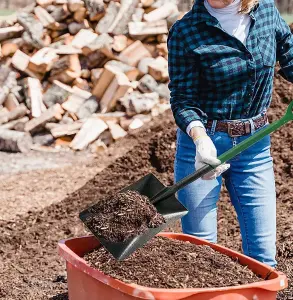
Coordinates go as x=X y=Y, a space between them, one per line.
x=206 y=153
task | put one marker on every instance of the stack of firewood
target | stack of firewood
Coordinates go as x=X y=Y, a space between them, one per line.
x=82 y=73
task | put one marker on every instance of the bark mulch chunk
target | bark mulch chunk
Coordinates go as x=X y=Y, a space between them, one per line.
x=168 y=263
x=126 y=215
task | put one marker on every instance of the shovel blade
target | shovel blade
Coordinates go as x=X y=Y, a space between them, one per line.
x=170 y=208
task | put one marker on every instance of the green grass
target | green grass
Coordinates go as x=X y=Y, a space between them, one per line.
x=5 y=12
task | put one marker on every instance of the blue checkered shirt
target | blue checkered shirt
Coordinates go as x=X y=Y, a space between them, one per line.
x=215 y=76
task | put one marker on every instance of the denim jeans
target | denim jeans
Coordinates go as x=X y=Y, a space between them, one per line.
x=251 y=186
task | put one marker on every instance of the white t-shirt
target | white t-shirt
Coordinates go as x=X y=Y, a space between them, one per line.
x=232 y=22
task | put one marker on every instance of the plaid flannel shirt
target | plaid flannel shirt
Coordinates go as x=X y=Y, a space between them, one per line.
x=215 y=76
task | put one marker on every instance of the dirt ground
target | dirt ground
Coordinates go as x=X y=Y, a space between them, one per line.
x=29 y=265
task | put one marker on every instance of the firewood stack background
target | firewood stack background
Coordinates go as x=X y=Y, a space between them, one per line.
x=80 y=74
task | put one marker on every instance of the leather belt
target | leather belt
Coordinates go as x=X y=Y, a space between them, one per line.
x=238 y=128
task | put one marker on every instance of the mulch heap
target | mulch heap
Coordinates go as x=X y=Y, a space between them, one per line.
x=166 y=263
x=122 y=217
x=30 y=267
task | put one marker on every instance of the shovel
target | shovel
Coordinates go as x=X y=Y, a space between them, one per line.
x=164 y=199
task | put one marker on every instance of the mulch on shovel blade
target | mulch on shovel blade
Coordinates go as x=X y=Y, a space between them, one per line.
x=124 y=216
x=167 y=263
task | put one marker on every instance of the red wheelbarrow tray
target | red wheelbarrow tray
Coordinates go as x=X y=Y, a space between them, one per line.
x=72 y=250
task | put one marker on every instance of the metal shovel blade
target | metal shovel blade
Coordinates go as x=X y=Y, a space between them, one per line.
x=170 y=208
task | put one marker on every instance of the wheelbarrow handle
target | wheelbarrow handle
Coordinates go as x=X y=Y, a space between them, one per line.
x=168 y=191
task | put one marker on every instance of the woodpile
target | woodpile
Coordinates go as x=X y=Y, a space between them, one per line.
x=81 y=74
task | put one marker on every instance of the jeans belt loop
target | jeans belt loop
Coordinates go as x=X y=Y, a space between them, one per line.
x=252 y=126
x=214 y=125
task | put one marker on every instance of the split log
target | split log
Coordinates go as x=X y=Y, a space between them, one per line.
x=134 y=53
x=117 y=89
x=143 y=65
x=67 y=69
x=131 y=123
x=67 y=50
x=74 y=5
x=21 y=61
x=15 y=124
x=35 y=97
x=161 y=13
x=43 y=139
x=102 y=43
x=66 y=129
x=96 y=59
x=80 y=15
x=33 y=28
x=10 y=32
x=141 y=30
x=164 y=91
x=159 y=69
x=52 y=114
x=95 y=8
x=160 y=109
x=89 y=107
x=112 y=116
x=138 y=15
x=95 y=75
x=17 y=113
x=119 y=43
x=83 y=38
x=76 y=100
x=15 y=141
x=75 y=27
x=120 y=23
x=45 y=18
x=147 y=3
x=104 y=81
x=89 y=132
x=60 y=13
x=45 y=3
x=137 y=103
x=11 y=102
x=7 y=82
x=116 y=130
x=57 y=93
x=9 y=47
x=111 y=13
x=147 y=84
x=82 y=84
x=131 y=72
x=162 y=50
x=43 y=60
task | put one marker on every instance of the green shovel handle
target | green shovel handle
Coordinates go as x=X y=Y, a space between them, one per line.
x=169 y=191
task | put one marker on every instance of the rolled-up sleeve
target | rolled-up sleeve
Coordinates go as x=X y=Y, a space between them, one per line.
x=184 y=80
x=284 y=40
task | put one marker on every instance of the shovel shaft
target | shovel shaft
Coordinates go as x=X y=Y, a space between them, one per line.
x=225 y=157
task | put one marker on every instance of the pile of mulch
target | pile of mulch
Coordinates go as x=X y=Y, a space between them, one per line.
x=166 y=263
x=126 y=215
x=30 y=267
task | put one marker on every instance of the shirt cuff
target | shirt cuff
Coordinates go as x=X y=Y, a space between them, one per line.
x=194 y=124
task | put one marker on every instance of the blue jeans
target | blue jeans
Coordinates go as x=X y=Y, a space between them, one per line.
x=251 y=186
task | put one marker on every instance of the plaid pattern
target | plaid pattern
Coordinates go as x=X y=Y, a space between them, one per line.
x=214 y=76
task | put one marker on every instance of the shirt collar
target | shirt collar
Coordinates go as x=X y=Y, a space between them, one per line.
x=200 y=14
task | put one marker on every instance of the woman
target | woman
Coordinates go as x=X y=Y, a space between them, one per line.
x=221 y=63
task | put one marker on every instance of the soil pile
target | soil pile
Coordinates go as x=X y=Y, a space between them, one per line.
x=29 y=264
x=166 y=263
x=124 y=216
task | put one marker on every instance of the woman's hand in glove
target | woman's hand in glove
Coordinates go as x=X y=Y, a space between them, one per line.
x=206 y=153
